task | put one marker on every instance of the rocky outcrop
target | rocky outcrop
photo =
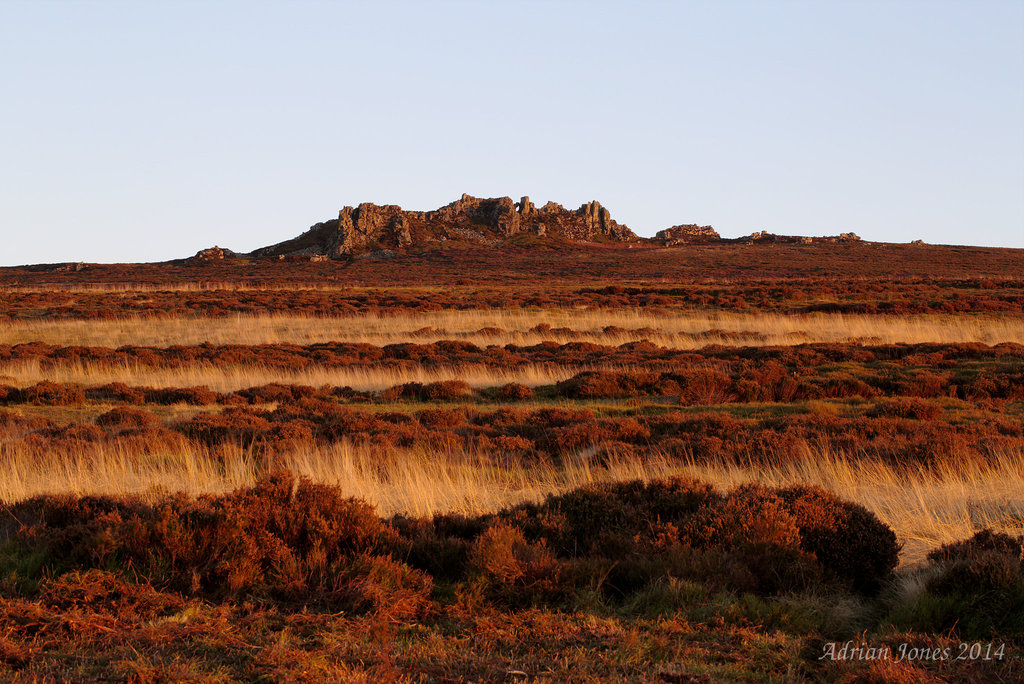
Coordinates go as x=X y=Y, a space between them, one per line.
x=687 y=234
x=212 y=254
x=371 y=228
x=762 y=237
x=382 y=230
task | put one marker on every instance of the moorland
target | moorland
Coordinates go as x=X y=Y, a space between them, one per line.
x=548 y=461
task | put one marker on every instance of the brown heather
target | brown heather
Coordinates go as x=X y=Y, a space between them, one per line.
x=575 y=463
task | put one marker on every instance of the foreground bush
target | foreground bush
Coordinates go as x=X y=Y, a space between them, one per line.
x=974 y=587
x=282 y=538
x=756 y=538
x=292 y=540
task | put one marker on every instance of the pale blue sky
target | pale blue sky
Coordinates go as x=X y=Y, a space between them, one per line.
x=137 y=131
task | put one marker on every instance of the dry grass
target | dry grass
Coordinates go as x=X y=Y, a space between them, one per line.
x=231 y=378
x=925 y=509
x=674 y=330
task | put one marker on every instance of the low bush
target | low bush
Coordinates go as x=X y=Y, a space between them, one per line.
x=517 y=572
x=917 y=409
x=195 y=396
x=974 y=588
x=446 y=390
x=849 y=541
x=126 y=418
x=282 y=538
x=514 y=391
x=779 y=540
x=52 y=394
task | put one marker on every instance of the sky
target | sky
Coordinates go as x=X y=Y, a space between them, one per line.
x=145 y=131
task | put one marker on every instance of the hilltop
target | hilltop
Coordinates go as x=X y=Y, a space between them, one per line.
x=372 y=229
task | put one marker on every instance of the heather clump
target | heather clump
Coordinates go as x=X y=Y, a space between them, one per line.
x=973 y=588
x=283 y=537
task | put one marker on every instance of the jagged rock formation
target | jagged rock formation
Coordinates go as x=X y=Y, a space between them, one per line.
x=687 y=234
x=386 y=230
x=371 y=228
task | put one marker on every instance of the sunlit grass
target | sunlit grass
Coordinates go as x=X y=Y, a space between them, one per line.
x=691 y=330
x=926 y=508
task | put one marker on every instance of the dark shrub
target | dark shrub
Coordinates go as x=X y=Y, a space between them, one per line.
x=846 y=538
x=514 y=391
x=976 y=589
x=196 y=396
x=384 y=586
x=918 y=409
x=124 y=418
x=52 y=394
x=514 y=571
x=235 y=424
x=440 y=546
x=118 y=391
x=282 y=537
x=981 y=572
x=612 y=519
x=982 y=541
x=9 y=395
x=447 y=389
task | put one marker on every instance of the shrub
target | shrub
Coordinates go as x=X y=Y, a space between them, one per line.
x=981 y=572
x=195 y=396
x=103 y=589
x=124 y=418
x=983 y=541
x=847 y=539
x=611 y=519
x=384 y=586
x=117 y=391
x=440 y=546
x=447 y=389
x=514 y=391
x=52 y=394
x=515 y=571
x=974 y=587
x=590 y=385
x=918 y=409
x=749 y=515
x=285 y=538
x=441 y=418
x=275 y=392
x=234 y=424
x=705 y=386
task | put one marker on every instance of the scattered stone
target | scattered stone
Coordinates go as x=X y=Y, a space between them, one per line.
x=764 y=237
